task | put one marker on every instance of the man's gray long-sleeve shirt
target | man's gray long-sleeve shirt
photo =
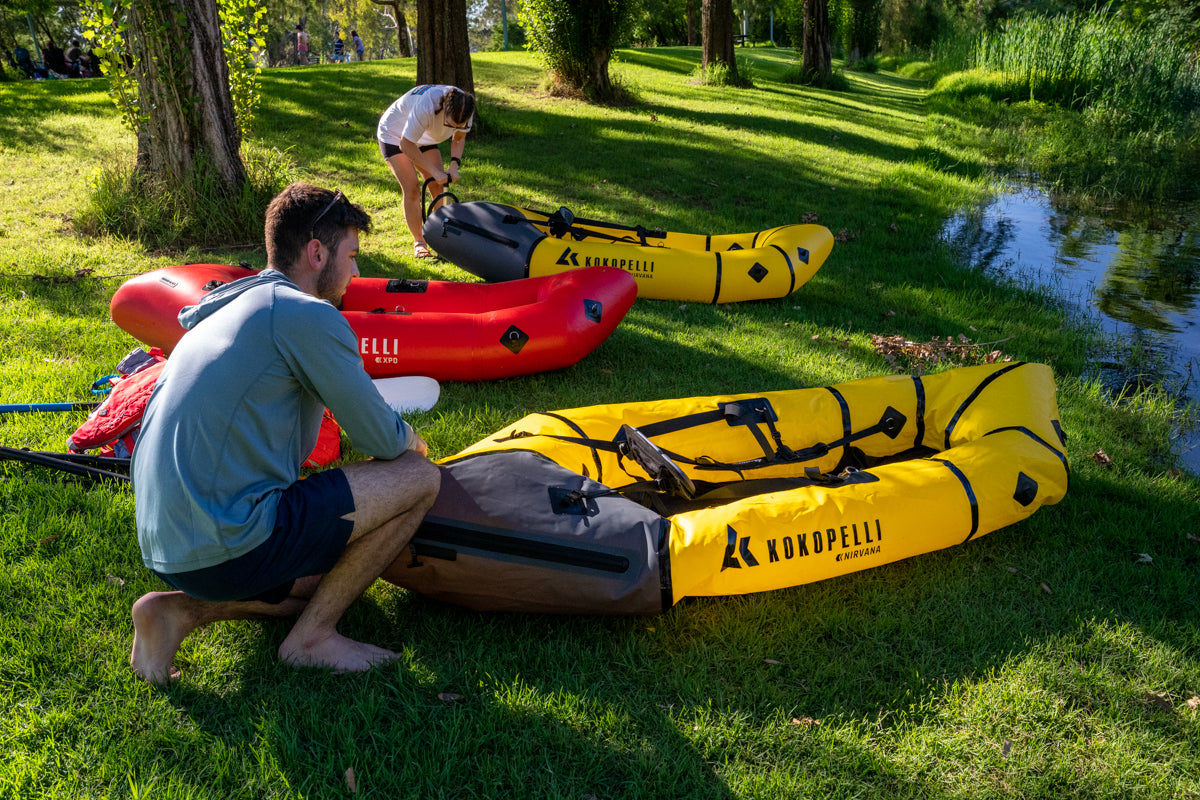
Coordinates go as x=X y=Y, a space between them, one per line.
x=236 y=411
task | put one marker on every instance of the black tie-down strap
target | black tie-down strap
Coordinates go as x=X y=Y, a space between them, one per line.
x=563 y=221
x=663 y=464
x=470 y=227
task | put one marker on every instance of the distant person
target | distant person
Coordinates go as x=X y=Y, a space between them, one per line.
x=26 y=65
x=339 y=48
x=301 y=46
x=72 y=57
x=409 y=133
x=223 y=516
x=54 y=58
x=358 y=44
x=89 y=65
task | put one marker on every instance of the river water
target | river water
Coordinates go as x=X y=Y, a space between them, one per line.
x=1137 y=275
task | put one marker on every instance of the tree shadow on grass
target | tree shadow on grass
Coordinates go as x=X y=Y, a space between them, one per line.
x=717 y=689
x=453 y=719
x=606 y=702
x=25 y=104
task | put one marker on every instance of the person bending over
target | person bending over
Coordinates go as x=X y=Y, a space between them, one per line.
x=409 y=133
x=222 y=514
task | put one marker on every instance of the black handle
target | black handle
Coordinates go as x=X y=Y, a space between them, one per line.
x=427 y=208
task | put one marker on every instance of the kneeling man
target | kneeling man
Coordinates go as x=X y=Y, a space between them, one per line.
x=222 y=514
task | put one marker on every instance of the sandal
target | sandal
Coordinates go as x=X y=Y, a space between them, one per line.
x=421 y=250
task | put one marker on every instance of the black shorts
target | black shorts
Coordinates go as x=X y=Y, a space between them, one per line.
x=310 y=536
x=390 y=150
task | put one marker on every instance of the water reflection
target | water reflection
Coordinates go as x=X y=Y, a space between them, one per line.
x=1141 y=276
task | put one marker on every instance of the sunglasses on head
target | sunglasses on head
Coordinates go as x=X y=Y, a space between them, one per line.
x=312 y=228
x=449 y=124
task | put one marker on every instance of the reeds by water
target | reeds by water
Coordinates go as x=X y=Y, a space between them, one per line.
x=1090 y=104
x=1143 y=74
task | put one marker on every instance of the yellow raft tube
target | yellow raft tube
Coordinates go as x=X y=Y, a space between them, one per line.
x=501 y=243
x=629 y=508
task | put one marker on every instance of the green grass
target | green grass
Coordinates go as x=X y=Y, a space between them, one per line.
x=1045 y=660
x=1088 y=103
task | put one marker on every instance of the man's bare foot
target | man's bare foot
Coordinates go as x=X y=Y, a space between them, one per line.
x=334 y=652
x=161 y=621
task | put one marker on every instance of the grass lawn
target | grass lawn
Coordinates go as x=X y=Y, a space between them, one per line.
x=1059 y=657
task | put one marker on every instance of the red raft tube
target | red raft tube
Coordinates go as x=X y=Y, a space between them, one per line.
x=446 y=330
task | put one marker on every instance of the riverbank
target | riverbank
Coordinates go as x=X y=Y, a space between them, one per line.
x=1094 y=106
x=1057 y=657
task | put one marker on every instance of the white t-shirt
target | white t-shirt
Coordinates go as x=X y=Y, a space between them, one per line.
x=415 y=117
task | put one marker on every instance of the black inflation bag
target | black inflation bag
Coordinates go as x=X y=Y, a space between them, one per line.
x=491 y=240
x=514 y=531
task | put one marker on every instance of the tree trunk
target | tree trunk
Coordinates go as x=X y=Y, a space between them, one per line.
x=716 y=25
x=397 y=7
x=816 y=63
x=691 y=22
x=403 y=34
x=599 y=81
x=183 y=90
x=443 y=51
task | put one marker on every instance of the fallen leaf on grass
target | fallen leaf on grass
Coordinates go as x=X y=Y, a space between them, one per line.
x=1102 y=458
x=810 y=217
x=1159 y=701
x=1144 y=558
x=1007 y=748
x=1193 y=702
x=351 y=784
x=771 y=661
x=805 y=722
x=1192 y=538
x=1046 y=589
x=49 y=539
x=904 y=354
x=449 y=697
x=114 y=579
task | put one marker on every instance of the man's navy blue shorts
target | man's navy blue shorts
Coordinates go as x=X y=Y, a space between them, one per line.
x=309 y=538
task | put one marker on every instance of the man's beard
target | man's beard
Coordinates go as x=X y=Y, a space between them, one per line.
x=327 y=289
